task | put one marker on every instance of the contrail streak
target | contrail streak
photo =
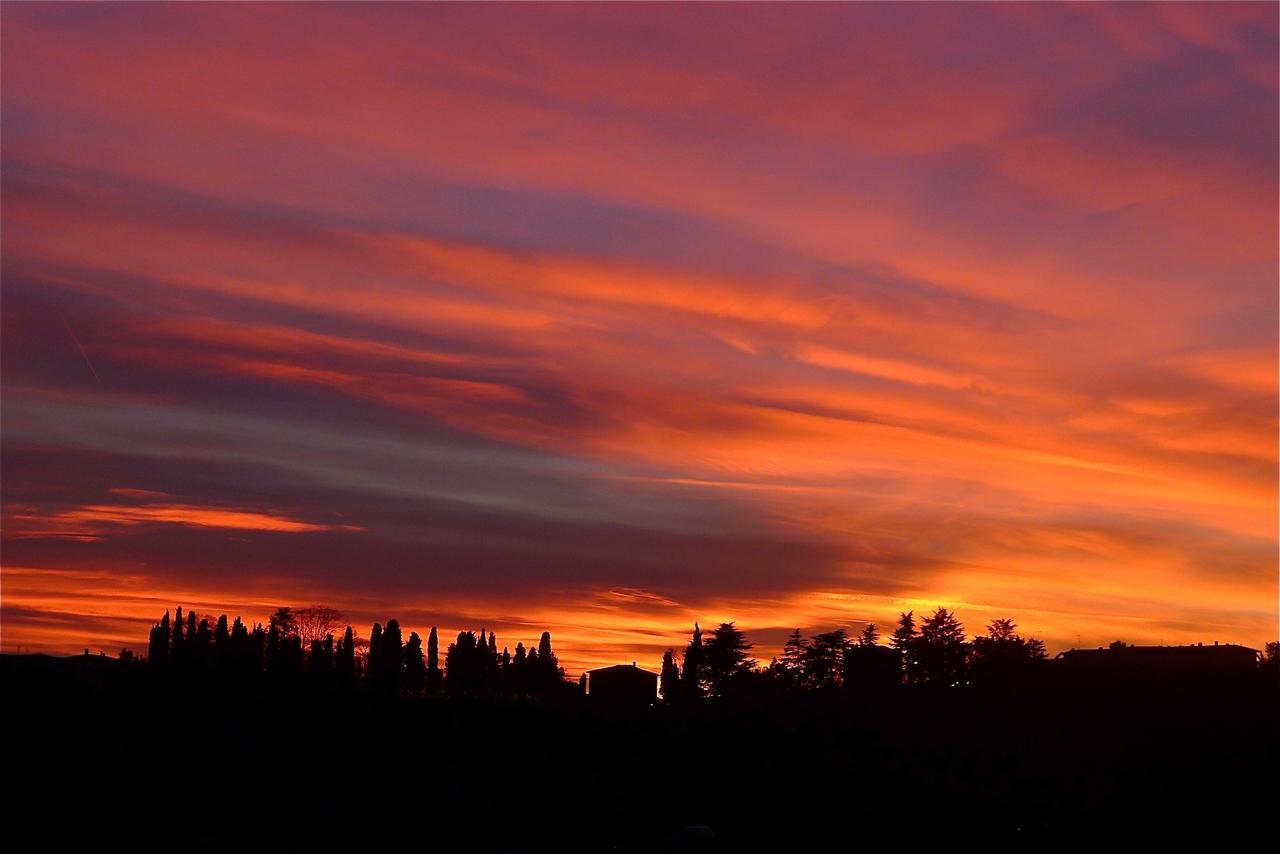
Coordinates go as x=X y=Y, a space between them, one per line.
x=80 y=347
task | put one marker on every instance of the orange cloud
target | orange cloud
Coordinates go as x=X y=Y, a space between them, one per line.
x=96 y=520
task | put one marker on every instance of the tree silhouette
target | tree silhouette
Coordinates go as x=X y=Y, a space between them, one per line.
x=669 y=677
x=158 y=644
x=548 y=675
x=344 y=659
x=178 y=647
x=433 y=662
x=793 y=655
x=941 y=648
x=695 y=665
x=870 y=667
x=823 y=659
x=284 y=620
x=201 y=648
x=869 y=636
x=374 y=666
x=386 y=656
x=904 y=640
x=242 y=657
x=1002 y=654
x=415 y=668
x=317 y=663
x=727 y=658
x=316 y=622
x=1271 y=658
x=461 y=676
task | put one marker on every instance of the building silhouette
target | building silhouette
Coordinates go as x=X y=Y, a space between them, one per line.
x=622 y=685
x=1122 y=663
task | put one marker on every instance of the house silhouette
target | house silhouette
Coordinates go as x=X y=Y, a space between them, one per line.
x=622 y=685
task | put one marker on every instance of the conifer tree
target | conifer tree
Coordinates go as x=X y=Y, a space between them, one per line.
x=823 y=658
x=374 y=665
x=548 y=672
x=158 y=644
x=433 y=662
x=203 y=640
x=942 y=650
x=793 y=655
x=669 y=677
x=694 y=665
x=415 y=667
x=904 y=640
x=178 y=648
x=727 y=658
x=393 y=652
x=344 y=661
x=1003 y=655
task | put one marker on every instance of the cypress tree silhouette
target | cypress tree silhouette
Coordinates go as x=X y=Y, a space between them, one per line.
x=392 y=655
x=415 y=668
x=192 y=631
x=694 y=674
x=869 y=636
x=460 y=676
x=344 y=660
x=178 y=647
x=548 y=675
x=273 y=656
x=201 y=654
x=669 y=678
x=518 y=676
x=240 y=654
x=492 y=665
x=433 y=663
x=373 y=664
x=158 y=644
x=257 y=648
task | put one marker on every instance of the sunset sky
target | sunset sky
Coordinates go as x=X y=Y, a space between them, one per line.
x=603 y=319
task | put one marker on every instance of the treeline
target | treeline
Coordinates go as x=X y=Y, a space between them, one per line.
x=936 y=652
x=306 y=641
x=302 y=643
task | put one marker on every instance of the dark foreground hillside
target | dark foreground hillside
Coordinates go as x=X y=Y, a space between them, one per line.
x=99 y=755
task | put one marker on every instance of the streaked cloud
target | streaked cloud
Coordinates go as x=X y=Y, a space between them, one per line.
x=605 y=321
